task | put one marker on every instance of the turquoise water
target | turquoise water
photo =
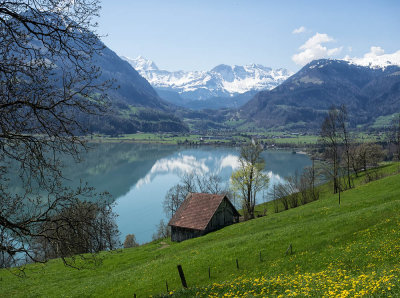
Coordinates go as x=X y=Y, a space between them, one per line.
x=139 y=175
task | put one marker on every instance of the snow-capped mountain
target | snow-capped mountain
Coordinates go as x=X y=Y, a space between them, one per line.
x=221 y=81
x=376 y=58
x=301 y=102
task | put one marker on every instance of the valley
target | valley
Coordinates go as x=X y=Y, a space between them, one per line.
x=256 y=154
x=270 y=101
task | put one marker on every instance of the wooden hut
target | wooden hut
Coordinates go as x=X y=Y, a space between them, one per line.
x=200 y=214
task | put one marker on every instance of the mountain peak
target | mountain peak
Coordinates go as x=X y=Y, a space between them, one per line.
x=223 y=67
x=141 y=63
x=221 y=81
x=376 y=58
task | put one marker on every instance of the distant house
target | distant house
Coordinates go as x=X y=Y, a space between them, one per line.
x=200 y=214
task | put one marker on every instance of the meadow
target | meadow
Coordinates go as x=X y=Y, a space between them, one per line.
x=346 y=250
x=274 y=138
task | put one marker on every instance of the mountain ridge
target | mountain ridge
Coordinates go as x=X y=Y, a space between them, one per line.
x=221 y=81
x=302 y=101
x=135 y=105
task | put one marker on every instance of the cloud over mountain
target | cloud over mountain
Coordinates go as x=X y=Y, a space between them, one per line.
x=376 y=58
x=314 y=49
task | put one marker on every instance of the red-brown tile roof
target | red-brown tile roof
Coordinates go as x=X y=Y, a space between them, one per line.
x=196 y=211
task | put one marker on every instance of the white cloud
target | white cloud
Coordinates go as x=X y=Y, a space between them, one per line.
x=375 y=51
x=376 y=57
x=313 y=49
x=231 y=161
x=299 y=30
x=183 y=164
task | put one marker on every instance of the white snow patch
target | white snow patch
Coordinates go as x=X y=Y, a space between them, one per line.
x=376 y=58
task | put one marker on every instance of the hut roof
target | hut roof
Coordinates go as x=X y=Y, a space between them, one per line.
x=197 y=210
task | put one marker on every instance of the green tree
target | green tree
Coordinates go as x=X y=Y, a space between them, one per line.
x=249 y=179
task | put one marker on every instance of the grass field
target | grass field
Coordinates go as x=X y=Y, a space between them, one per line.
x=347 y=250
x=284 y=139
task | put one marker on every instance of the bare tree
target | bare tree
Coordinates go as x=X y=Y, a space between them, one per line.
x=211 y=184
x=173 y=199
x=191 y=182
x=282 y=193
x=275 y=199
x=365 y=155
x=297 y=189
x=188 y=182
x=330 y=138
x=394 y=136
x=130 y=241
x=81 y=228
x=163 y=231
x=355 y=162
x=368 y=156
x=346 y=141
x=249 y=179
x=48 y=82
x=288 y=193
x=306 y=186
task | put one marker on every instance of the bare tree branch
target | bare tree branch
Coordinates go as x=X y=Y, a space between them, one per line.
x=48 y=84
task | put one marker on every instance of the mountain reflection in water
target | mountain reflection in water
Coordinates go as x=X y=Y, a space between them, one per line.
x=139 y=175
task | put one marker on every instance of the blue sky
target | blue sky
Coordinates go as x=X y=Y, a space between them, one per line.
x=198 y=35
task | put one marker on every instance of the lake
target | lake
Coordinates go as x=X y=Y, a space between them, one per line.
x=139 y=175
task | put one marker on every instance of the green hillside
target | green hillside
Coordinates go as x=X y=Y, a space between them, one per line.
x=347 y=250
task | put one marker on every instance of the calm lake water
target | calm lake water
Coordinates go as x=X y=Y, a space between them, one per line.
x=139 y=175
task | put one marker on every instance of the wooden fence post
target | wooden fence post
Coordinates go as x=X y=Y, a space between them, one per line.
x=166 y=284
x=182 y=276
x=209 y=273
x=237 y=263
x=289 y=249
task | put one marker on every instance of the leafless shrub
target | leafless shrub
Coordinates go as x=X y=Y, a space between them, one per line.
x=80 y=228
x=163 y=231
x=130 y=241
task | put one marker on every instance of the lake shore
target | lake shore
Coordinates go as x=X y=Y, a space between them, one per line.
x=272 y=141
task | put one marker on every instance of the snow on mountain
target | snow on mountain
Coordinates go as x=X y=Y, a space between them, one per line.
x=376 y=58
x=221 y=81
x=141 y=63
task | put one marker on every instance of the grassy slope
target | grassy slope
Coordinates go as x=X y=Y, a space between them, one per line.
x=361 y=237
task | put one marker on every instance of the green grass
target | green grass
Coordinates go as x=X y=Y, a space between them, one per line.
x=353 y=246
x=384 y=121
x=278 y=138
x=155 y=138
x=325 y=190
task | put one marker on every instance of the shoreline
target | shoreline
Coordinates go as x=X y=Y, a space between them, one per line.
x=302 y=150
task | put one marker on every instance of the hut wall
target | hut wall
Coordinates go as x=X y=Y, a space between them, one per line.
x=224 y=216
x=179 y=234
